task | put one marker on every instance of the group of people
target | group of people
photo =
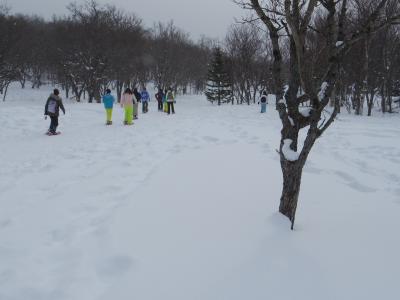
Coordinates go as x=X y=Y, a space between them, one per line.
x=129 y=101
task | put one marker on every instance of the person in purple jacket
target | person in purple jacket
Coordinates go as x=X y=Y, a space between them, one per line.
x=145 y=100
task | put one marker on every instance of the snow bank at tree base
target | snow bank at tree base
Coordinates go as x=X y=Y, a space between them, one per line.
x=185 y=206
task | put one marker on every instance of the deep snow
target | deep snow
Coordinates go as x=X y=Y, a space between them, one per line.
x=184 y=207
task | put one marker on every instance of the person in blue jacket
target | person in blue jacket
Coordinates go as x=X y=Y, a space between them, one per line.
x=145 y=100
x=264 y=102
x=108 y=101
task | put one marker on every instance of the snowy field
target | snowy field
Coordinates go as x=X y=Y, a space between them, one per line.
x=183 y=207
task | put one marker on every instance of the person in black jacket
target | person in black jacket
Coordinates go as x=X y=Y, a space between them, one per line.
x=138 y=97
x=160 y=98
x=52 y=109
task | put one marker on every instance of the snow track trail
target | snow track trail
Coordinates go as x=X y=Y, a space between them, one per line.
x=184 y=206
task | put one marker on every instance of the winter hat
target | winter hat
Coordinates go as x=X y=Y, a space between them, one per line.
x=56 y=92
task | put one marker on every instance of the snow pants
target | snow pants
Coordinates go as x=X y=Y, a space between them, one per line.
x=53 y=124
x=263 y=108
x=109 y=114
x=135 y=110
x=171 y=107
x=160 y=105
x=128 y=115
x=145 y=107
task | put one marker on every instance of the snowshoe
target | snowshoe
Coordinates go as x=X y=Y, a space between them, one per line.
x=49 y=133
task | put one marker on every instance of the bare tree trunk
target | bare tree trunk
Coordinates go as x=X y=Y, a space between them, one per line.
x=383 y=100
x=370 y=101
x=67 y=90
x=5 y=91
x=291 y=172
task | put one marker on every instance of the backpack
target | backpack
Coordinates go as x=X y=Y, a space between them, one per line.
x=52 y=105
x=264 y=99
x=138 y=96
x=170 y=95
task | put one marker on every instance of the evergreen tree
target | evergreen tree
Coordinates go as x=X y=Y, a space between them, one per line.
x=219 y=87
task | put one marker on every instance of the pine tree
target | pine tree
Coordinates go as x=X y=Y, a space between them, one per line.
x=219 y=87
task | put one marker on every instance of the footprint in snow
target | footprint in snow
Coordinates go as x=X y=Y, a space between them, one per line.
x=353 y=183
x=210 y=139
x=5 y=223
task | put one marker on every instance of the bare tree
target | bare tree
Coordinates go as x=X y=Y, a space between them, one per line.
x=292 y=21
x=247 y=52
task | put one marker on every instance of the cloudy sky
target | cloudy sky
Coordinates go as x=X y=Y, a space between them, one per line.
x=198 y=17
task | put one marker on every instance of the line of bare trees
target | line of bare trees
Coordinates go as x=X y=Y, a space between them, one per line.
x=369 y=75
x=95 y=47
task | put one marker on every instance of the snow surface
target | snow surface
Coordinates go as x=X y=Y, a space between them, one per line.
x=339 y=43
x=305 y=112
x=322 y=92
x=184 y=207
x=289 y=154
x=282 y=101
x=291 y=121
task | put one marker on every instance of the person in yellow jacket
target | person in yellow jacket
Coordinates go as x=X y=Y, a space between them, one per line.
x=165 y=104
x=170 y=101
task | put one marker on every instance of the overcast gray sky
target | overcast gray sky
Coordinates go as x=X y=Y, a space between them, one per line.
x=208 y=17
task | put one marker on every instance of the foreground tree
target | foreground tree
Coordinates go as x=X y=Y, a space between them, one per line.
x=219 y=88
x=290 y=22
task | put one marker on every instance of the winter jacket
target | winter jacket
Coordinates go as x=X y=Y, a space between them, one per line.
x=137 y=95
x=145 y=96
x=127 y=100
x=53 y=105
x=170 y=96
x=108 y=101
x=160 y=96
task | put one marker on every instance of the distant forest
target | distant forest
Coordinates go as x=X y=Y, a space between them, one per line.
x=96 y=46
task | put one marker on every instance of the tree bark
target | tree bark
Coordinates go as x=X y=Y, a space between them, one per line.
x=5 y=92
x=291 y=172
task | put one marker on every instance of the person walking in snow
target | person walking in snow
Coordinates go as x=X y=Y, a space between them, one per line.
x=170 y=101
x=137 y=97
x=264 y=102
x=160 y=98
x=145 y=100
x=52 y=109
x=127 y=104
x=108 y=101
